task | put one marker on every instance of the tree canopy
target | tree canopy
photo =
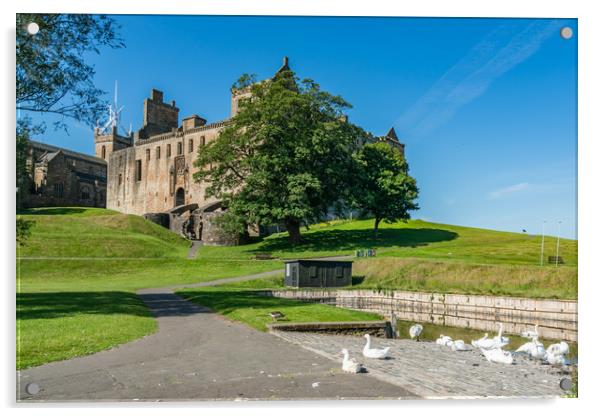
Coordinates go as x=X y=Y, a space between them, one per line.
x=52 y=74
x=285 y=155
x=383 y=186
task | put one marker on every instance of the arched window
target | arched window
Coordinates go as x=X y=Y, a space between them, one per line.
x=104 y=152
x=180 y=197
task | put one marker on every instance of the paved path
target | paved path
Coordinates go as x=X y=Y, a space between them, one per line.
x=431 y=370
x=196 y=355
x=196 y=245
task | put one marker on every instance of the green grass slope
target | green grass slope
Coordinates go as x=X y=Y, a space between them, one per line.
x=415 y=238
x=95 y=232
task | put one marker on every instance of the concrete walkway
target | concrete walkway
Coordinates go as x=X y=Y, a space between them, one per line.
x=434 y=371
x=198 y=355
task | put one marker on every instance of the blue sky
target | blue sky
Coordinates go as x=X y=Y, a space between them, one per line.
x=487 y=108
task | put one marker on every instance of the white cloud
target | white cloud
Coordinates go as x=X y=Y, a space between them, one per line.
x=471 y=76
x=500 y=193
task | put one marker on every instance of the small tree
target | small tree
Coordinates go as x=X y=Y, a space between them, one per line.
x=285 y=157
x=383 y=186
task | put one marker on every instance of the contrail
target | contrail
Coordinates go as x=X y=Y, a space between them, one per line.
x=471 y=76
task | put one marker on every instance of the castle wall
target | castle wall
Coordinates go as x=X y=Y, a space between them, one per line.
x=165 y=177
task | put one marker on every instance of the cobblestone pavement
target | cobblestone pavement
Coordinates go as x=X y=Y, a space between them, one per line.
x=434 y=371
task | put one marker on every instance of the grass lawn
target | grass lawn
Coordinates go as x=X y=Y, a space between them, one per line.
x=452 y=276
x=415 y=238
x=55 y=326
x=78 y=272
x=239 y=302
x=83 y=261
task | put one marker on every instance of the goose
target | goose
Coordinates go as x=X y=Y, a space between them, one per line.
x=349 y=364
x=561 y=348
x=497 y=355
x=499 y=337
x=443 y=340
x=459 y=345
x=415 y=331
x=530 y=334
x=374 y=352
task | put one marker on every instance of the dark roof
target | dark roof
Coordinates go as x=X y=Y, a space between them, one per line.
x=54 y=149
x=391 y=134
x=90 y=177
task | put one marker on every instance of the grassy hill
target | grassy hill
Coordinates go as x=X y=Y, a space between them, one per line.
x=78 y=273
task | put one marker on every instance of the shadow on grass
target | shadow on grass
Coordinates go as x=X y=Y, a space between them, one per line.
x=63 y=304
x=228 y=301
x=52 y=211
x=333 y=240
x=357 y=280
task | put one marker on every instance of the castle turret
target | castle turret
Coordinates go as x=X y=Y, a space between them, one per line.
x=108 y=142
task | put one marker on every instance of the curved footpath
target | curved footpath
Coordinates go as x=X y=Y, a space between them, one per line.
x=199 y=355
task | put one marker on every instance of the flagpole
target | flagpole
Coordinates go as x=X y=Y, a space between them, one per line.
x=543 y=233
x=557 y=242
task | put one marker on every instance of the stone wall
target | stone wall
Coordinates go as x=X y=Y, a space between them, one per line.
x=381 y=329
x=557 y=319
x=60 y=177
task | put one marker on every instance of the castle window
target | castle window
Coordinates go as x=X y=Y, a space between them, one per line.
x=85 y=193
x=104 y=152
x=179 y=148
x=120 y=179
x=158 y=152
x=58 y=190
x=138 y=170
x=169 y=150
x=120 y=160
x=202 y=140
x=190 y=145
x=147 y=155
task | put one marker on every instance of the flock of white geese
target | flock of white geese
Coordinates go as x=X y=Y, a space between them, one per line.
x=491 y=348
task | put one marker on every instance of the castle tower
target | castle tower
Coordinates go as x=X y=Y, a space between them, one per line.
x=107 y=142
x=159 y=117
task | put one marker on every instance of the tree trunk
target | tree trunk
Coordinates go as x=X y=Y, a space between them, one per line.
x=376 y=222
x=294 y=232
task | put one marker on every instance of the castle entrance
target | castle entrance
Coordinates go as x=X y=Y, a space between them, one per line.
x=179 y=197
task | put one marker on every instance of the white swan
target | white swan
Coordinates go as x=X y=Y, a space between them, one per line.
x=459 y=345
x=534 y=349
x=443 y=340
x=557 y=359
x=374 y=352
x=562 y=348
x=497 y=355
x=489 y=343
x=499 y=337
x=415 y=331
x=349 y=364
x=530 y=334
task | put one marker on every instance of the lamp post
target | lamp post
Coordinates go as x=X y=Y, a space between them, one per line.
x=543 y=233
x=557 y=242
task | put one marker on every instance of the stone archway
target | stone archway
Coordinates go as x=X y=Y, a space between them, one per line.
x=180 y=197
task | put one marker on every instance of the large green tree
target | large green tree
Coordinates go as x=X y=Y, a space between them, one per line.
x=54 y=77
x=285 y=157
x=383 y=186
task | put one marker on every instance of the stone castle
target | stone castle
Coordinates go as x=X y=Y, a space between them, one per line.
x=150 y=171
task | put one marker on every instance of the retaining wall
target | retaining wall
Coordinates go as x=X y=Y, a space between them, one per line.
x=557 y=319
